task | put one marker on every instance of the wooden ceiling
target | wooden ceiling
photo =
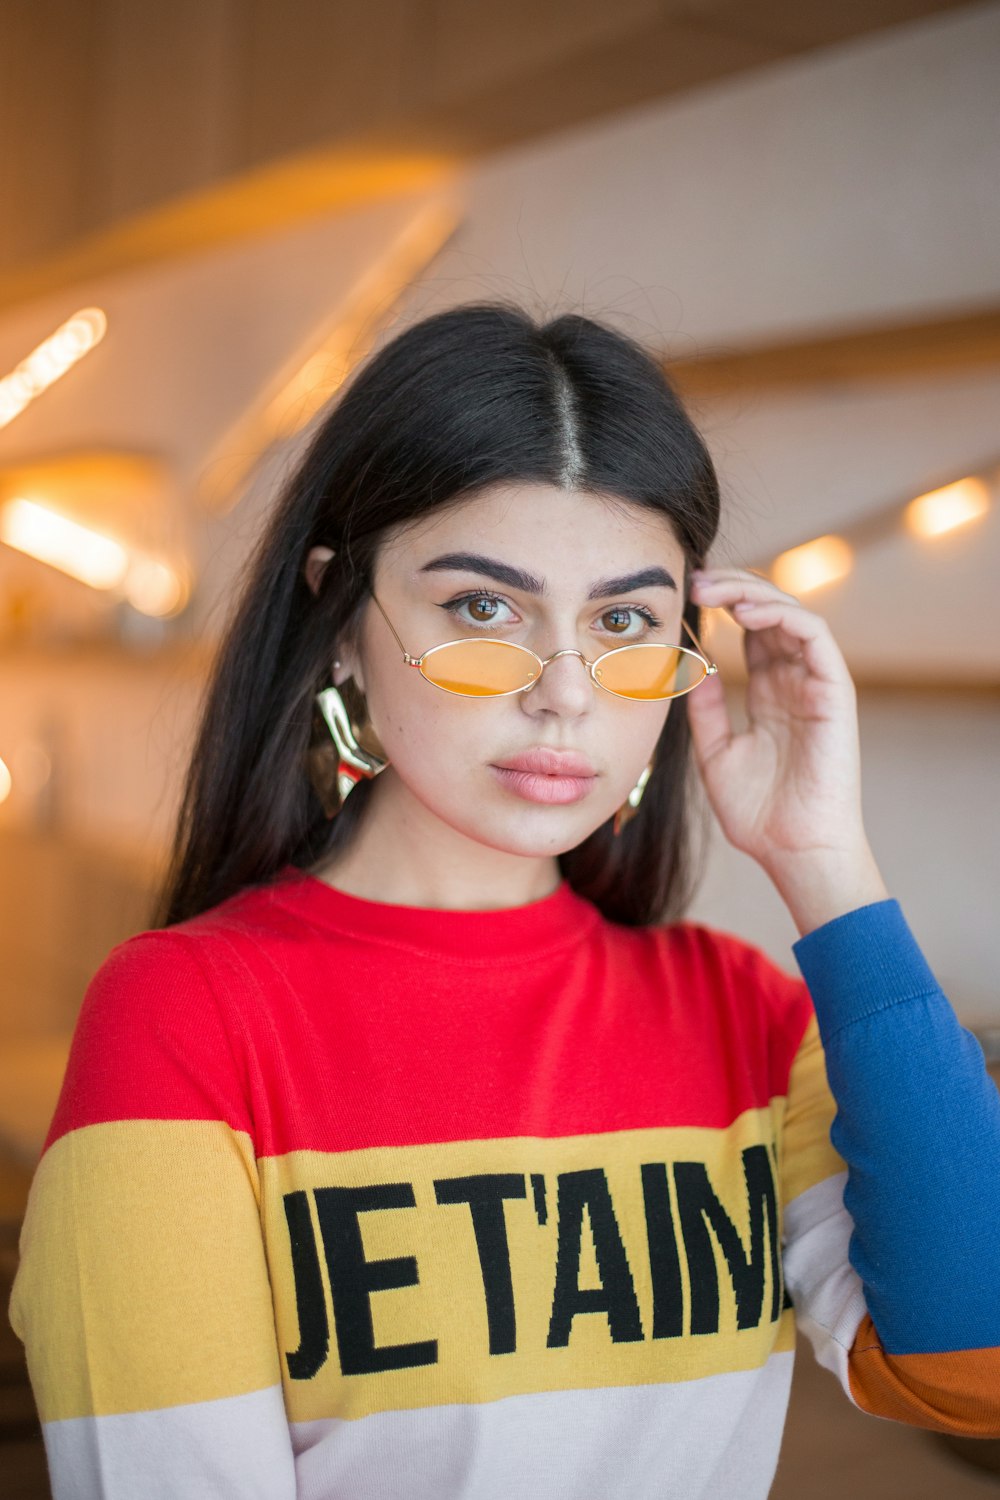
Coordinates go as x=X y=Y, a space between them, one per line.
x=138 y=133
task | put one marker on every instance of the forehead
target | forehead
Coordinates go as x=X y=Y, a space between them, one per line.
x=567 y=537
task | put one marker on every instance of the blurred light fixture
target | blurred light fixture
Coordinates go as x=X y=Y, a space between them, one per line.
x=150 y=585
x=44 y=365
x=5 y=781
x=815 y=563
x=942 y=510
x=51 y=538
x=153 y=587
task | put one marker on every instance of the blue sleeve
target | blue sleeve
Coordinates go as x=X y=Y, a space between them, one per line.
x=918 y=1124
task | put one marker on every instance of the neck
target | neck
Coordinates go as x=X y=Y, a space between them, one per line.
x=403 y=855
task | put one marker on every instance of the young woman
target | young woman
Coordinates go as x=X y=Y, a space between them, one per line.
x=422 y=1148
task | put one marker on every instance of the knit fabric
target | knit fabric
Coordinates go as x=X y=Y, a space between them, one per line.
x=345 y=1200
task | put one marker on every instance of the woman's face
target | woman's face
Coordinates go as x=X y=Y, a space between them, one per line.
x=547 y=568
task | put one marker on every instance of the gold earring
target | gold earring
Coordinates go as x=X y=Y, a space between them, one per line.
x=336 y=764
x=628 y=808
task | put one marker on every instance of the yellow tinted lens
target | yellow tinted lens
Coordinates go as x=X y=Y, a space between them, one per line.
x=480 y=669
x=650 y=671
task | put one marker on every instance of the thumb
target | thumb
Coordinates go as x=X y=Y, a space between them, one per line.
x=711 y=729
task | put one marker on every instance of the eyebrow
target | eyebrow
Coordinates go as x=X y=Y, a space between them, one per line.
x=644 y=579
x=527 y=583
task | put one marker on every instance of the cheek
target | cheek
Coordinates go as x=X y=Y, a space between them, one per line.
x=631 y=738
x=420 y=726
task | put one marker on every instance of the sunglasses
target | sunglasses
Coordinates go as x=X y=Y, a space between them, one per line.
x=484 y=668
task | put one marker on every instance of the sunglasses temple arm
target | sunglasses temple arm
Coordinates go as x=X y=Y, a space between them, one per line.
x=701 y=648
x=395 y=637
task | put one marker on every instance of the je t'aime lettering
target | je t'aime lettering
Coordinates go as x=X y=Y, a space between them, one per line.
x=689 y=1222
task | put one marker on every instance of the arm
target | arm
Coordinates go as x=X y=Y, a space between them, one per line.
x=142 y=1294
x=900 y=1280
x=913 y=1324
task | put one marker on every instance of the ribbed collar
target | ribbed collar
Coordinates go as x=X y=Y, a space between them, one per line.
x=510 y=934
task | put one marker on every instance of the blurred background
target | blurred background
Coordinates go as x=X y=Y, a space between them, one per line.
x=213 y=210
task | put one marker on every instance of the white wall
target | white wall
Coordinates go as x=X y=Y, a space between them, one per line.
x=929 y=790
x=856 y=183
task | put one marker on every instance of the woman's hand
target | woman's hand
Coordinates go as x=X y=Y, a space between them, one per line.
x=787 y=790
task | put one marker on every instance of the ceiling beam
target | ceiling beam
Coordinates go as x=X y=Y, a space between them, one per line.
x=944 y=345
x=271 y=198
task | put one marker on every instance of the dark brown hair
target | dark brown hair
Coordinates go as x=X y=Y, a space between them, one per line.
x=475 y=396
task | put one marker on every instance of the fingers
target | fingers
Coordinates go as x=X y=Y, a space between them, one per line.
x=757 y=604
x=754 y=602
x=728 y=586
x=708 y=718
x=747 y=596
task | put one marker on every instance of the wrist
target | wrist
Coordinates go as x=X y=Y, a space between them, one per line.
x=820 y=884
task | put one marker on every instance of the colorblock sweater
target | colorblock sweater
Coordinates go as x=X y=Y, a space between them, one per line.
x=345 y=1200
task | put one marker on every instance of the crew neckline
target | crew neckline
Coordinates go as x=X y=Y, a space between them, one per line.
x=476 y=935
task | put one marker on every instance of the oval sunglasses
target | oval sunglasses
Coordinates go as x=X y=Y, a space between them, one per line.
x=478 y=667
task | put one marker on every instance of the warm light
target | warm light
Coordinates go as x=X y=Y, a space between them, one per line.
x=153 y=588
x=310 y=386
x=150 y=585
x=50 y=360
x=812 y=565
x=52 y=538
x=942 y=510
x=5 y=782
x=315 y=375
x=308 y=389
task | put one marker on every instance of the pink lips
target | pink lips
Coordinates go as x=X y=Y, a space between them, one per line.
x=543 y=775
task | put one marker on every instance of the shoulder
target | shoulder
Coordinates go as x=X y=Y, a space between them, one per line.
x=211 y=956
x=157 y=977
x=735 y=980
x=722 y=955
x=161 y=1032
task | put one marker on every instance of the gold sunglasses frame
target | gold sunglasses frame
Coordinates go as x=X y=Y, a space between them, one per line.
x=417 y=661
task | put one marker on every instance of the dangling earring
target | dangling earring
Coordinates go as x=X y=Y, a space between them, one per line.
x=337 y=764
x=628 y=808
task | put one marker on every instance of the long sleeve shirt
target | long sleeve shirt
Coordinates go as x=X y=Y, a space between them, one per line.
x=345 y=1199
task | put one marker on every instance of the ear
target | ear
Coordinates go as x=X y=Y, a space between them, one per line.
x=344 y=665
x=347 y=664
x=314 y=565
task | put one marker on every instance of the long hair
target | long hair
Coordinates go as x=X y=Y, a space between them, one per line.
x=471 y=397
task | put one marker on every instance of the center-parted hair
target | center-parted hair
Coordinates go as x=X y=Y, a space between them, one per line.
x=479 y=395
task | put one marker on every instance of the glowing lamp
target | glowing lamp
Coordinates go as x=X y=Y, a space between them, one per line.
x=815 y=563
x=942 y=510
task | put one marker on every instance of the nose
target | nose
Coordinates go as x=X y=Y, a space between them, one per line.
x=564 y=687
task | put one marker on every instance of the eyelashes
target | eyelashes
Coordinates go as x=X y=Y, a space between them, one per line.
x=454 y=605
x=637 y=609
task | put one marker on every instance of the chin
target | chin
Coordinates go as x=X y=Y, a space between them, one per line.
x=530 y=837
x=496 y=822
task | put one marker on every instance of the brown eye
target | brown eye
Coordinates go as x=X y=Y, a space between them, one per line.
x=619 y=619
x=479 y=609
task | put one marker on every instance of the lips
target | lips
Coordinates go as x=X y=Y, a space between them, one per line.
x=541 y=761
x=547 y=776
